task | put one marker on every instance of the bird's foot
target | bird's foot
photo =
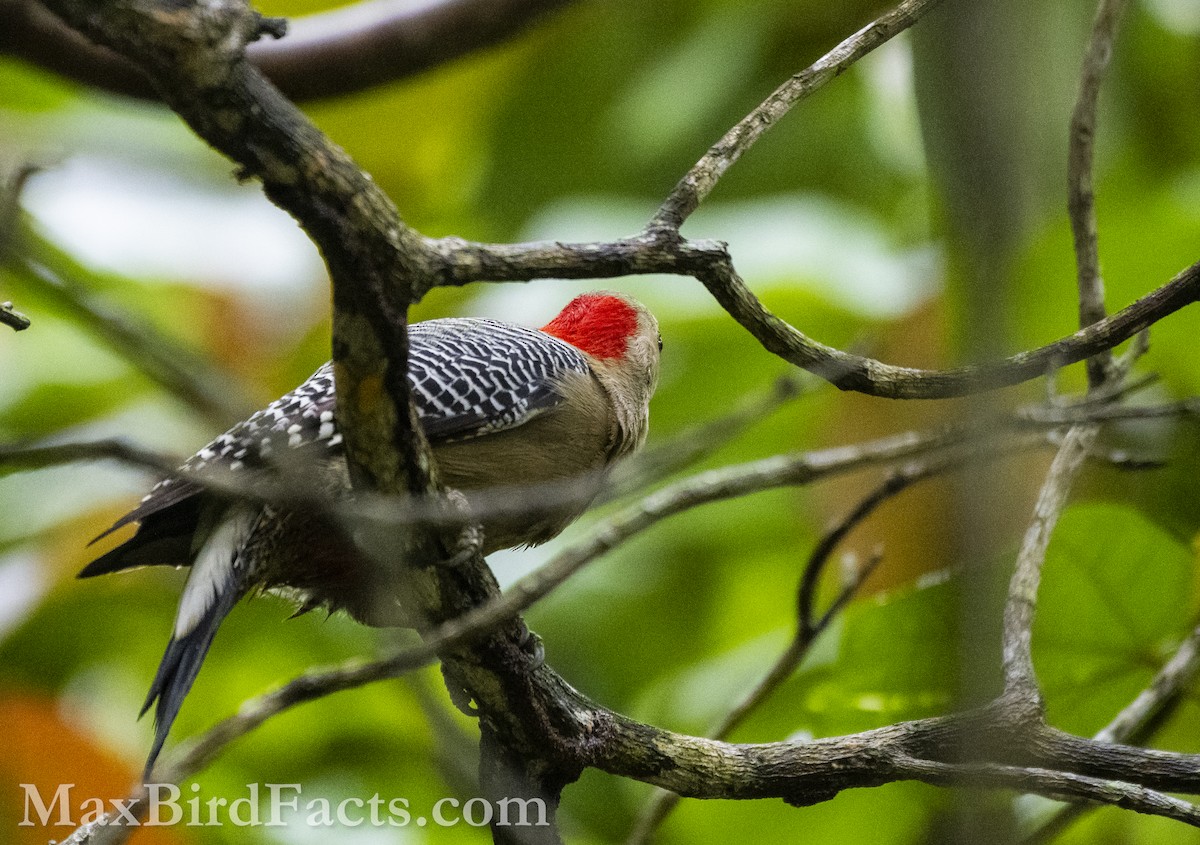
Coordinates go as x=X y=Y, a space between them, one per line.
x=532 y=645
x=469 y=542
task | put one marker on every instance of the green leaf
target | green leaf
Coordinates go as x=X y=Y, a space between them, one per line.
x=1117 y=594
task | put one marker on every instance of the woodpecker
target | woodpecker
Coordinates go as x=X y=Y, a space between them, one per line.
x=503 y=406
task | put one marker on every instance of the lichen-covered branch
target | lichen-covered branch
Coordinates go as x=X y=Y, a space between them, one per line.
x=1028 y=758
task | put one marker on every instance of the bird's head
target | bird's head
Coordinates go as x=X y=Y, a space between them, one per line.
x=621 y=338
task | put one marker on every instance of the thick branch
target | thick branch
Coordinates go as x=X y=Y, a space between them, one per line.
x=1029 y=759
x=807 y=772
x=327 y=54
x=195 y=55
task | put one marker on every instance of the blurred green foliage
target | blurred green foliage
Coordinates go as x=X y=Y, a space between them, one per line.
x=577 y=130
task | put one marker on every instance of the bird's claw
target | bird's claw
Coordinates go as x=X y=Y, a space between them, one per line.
x=532 y=645
x=469 y=542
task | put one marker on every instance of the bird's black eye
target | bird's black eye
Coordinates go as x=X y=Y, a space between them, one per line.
x=660 y=343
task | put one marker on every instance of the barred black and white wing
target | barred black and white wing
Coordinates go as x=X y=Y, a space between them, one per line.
x=474 y=377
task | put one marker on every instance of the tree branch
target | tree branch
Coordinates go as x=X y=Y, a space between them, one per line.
x=24 y=457
x=326 y=54
x=865 y=375
x=13 y=318
x=704 y=175
x=1029 y=759
x=537 y=732
x=1081 y=198
x=1062 y=786
x=1020 y=680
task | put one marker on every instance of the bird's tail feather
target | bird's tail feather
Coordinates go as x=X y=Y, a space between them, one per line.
x=218 y=579
x=178 y=669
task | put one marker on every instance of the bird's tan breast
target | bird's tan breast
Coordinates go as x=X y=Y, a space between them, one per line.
x=549 y=466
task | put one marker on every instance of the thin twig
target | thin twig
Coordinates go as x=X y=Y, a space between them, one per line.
x=12 y=318
x=197 y=754
x=1081 y=199
x=182 y=373
x=1060 y=785
x=1020 y=679
x=896 y=482
x=1165 y=688
x=1134 y=722
x=310 y=686
x=691 y=190
x=27 y=457
x=689 y=446
x=661 y=802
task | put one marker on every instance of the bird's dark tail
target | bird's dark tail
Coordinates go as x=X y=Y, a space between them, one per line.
x=178 y=669
x=216 y=583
